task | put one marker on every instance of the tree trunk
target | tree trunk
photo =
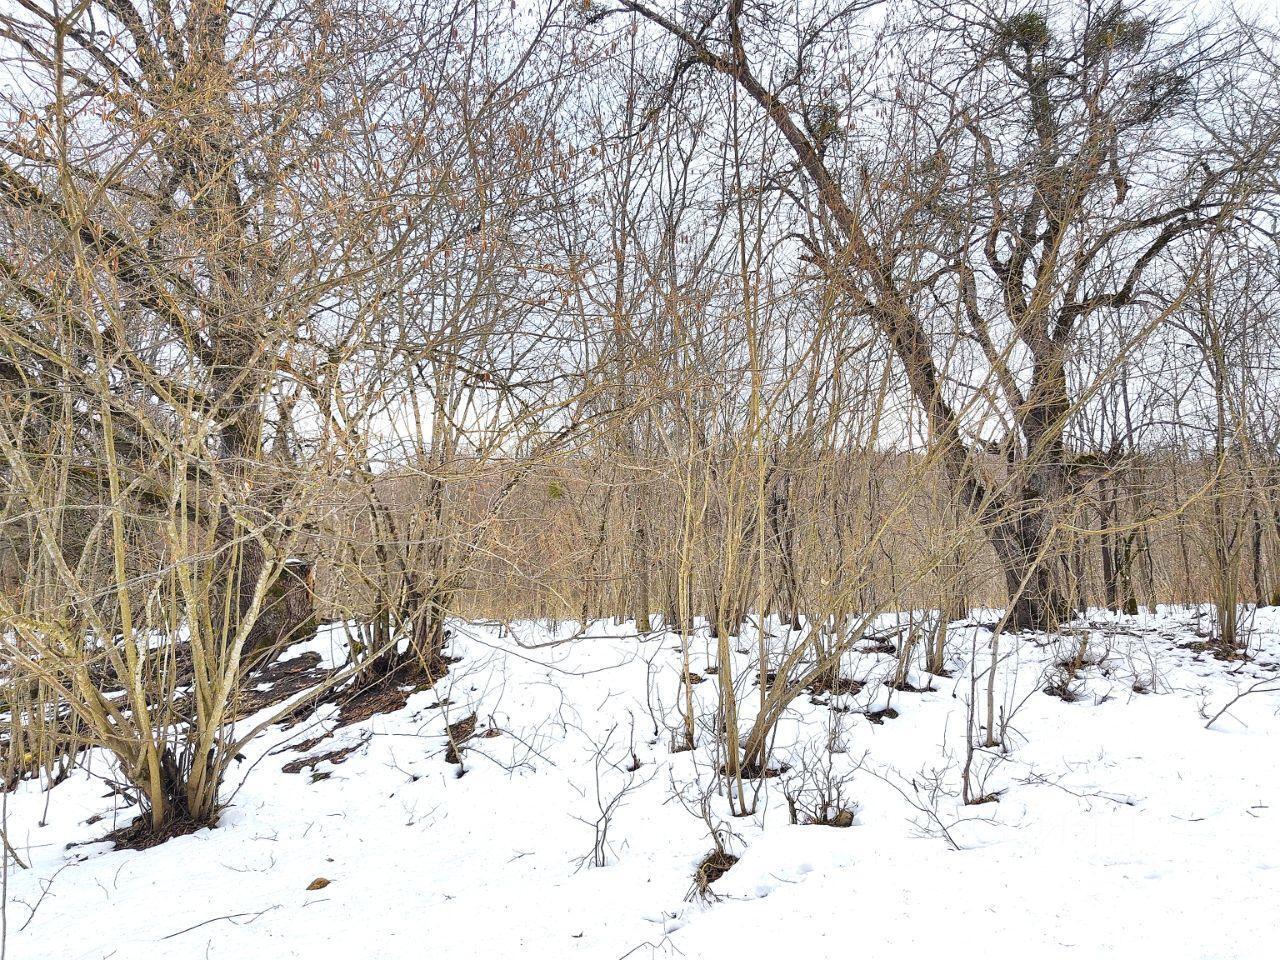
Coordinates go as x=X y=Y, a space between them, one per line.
x=1021 y=544
x=641 y=554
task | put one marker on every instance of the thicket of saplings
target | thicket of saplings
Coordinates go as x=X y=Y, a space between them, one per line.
x=749 y=323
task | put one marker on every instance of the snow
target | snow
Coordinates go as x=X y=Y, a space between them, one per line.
x=1124 y=827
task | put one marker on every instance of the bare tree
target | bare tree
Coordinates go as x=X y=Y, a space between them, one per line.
x=1014 y=186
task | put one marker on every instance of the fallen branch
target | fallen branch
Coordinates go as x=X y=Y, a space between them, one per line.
x=230 y=916
x=1267 y=685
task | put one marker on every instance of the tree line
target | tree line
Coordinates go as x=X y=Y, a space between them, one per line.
x=393 y=312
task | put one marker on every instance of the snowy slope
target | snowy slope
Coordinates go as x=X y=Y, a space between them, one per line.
x=1124 y=828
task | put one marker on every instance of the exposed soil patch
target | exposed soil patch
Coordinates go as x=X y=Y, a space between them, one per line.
x=333 y=756
x=908 y=687
x=879 y=645
x=391 y=692
x=985 y=798
x=840 y=818
x=712 y=867
x=386 y=695
x=1064 y=690
x=880 y=716
x=140 y=835
x=836 y=686
x=771 y=679
x=1215 y=649
x=265 y=684
x=278 y=681
x=303 y=746
x=459 y=733
x=270 y=684
x=175 y=659
x=752 y=771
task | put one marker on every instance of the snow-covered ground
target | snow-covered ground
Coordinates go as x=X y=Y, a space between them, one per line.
x=1123 y=828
